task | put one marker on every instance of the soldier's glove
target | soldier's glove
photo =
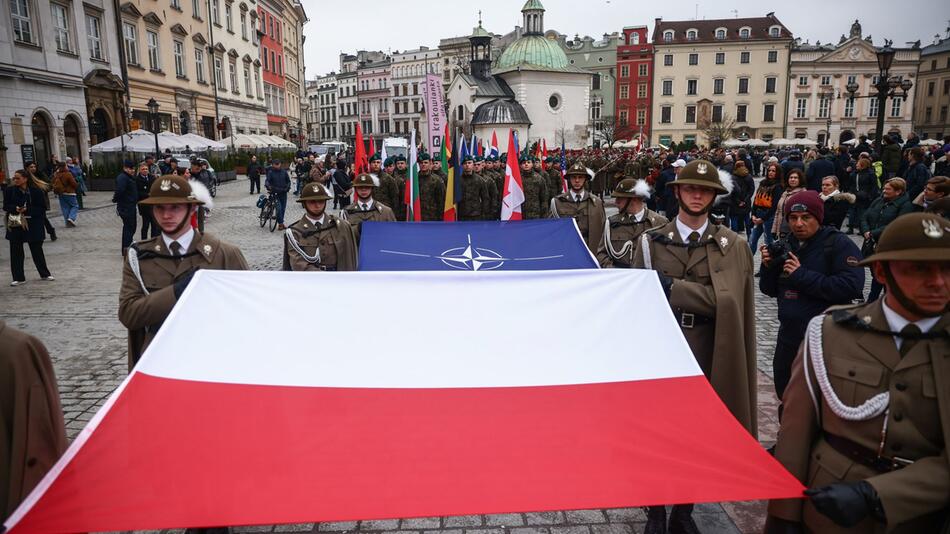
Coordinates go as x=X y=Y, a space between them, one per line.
x=666 y=283
x=183 y=282
x=847 y=503
x=776 y=525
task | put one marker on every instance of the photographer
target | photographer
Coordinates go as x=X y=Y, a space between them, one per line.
x=814 y=267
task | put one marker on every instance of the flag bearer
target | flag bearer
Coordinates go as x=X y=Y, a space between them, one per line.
x=366 y=207
x=623 y=230
x=319 y=241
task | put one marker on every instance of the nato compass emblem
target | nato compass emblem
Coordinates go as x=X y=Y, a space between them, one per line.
x=471 y=258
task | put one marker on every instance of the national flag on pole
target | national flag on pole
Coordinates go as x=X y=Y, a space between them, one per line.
x=517 y=145
x=360 y=163
x=448 y=163
x=206 y=431
x=383 y=155
x=481 y=148
x=563 y=168
x=471 y=149
x=537 y=150
x=372 y=147
x=494 y=145
x=513 y=192
x=413 y=202
x=544 y=151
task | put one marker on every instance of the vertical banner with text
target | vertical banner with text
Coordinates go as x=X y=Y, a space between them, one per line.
x=435 y=112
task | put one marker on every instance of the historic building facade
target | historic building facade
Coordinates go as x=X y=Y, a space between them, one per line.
x=348 y=102
x=327 y=99
x=374 y=98
x=933 y=91
x=236 y=61
x=409 y=71
x=634 y=85
x=600 y=58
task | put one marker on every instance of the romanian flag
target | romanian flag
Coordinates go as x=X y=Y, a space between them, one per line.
x=413 y=202
x=448 y=163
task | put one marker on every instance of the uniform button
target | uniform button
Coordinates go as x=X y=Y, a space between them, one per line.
x=898 y=417
x=851 y=372
x=818 y=456
x=900 y=386
x=896 y=447
x=31 y=462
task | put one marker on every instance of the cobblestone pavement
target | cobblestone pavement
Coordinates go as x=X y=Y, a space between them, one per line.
x=75 y=316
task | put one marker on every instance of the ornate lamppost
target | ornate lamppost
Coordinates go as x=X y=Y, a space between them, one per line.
x=153 y=117
x=887 y=87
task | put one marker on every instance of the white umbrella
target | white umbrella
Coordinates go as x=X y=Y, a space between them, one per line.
x=930 y=142
x=280 y=142
x=730 y=143
x=852 y=142
x=244 y=141
x=197 y=142
x=804 y=141
x=618 y=144
x=146 y=143
x=781 y=141
x=756 y=142
x=116 y=143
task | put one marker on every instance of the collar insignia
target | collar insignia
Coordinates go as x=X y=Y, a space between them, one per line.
x=207 y=249
x=166 y=185
x=724 y=241
x=702 y=168
x=932 y=229
x=158 y=248
x=866 y=319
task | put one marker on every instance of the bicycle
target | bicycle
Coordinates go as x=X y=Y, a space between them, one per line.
x=269 y=211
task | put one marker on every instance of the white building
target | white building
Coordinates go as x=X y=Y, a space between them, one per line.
x=347 y=99
x=241 y=107
x=409 y=70
x=326 y=99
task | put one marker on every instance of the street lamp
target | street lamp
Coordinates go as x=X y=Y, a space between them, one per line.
x=153 y=116
x=829 y=97
x=887 y=87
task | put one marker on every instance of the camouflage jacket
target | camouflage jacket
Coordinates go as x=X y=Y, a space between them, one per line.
x=535 y=196
x=388 y=192
x=431 y=196
x=475 y=202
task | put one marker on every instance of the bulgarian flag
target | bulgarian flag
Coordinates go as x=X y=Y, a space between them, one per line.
x=413 y=202
x=448 y=163
x=513 y=194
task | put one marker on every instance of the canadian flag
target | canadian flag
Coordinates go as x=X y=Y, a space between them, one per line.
x=513 y=192
x=225 y=424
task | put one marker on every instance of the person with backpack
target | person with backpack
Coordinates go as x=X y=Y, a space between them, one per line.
x=66 y=188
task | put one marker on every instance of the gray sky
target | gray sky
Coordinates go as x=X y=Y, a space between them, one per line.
x=389 y=25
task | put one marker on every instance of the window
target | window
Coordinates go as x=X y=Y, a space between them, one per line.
x=872 y=107
x=666 y=114
x=668 y=60
x=244 y=25
x=768 y=113
x=801 y=108
x=773 y=56
x=94 y=36
x=196 y=8
x=692 y=87
x=803 y=80
x=826 y=80
x=928 y=114
x=668 y=36
x=280 y=64
x=824 y=108
x=770 y=84
x=718 y=84
x=214 y=12
x=946 y=87
x=199 y=65
x=60 y=26
x=775 y=31
x=743 y=57
x=720 y=33
x=595 y=82
x=943 y=114
x=741 y=111
x=233 y=75
x=896 y=107
x=720 y=58
x=131 y=43
x=176 y=4
x=642 y=90
x=227 y=17
x=634 y=38
x=694 y=59
x=218 y=73
x=151 y=40
x=744 y=33
x=852 y=79
x=667 y=87
x=264 y=57
x=690 y=35
x=641 y=117
x=644 y=70
x=690 y=114
x=717 y=113
x=624 y=71
x=624 y=92
x=930 y=88
x=178 y=50
x=743 y=86
x=22 y=21
x=273 y=62
x=848 y=108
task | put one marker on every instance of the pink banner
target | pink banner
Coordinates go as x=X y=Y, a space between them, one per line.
x=435 y=112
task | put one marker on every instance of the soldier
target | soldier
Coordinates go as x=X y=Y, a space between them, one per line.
x=497 y=180
x=366 y=208
x=586 y=209
x=319 y=241
x=476 y=203
x=867 y=427
x=484 y=173
x=159 y=269
x=431 y=190
x=387 y=191
x=553 y=177
x=536 y=199
x=706 y=272
x=400 y=175
x=623 y=230
x=438 y=171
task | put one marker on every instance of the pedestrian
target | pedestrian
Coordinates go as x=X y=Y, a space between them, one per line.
x=74 y=167
x=254 y=174
x=823 y=166
x=34 y=434
x=793 y=183
x=340 y=183
x=66 y=188
x=125 y=197
x=917 y=172
x=157 y=270
x=706 y=272
x=143 y=183
x=891 y=204
x=366 y=207
x=586 y=209
x=890 y=157
x=39 y=181
x=741 y=199
x=837 y=202
x=278 y=183
x=319 y=241
x=817 y=268
x=937 y=187
x=623 y=230
x=765 y=202
x=865 y=425
x=25 y=210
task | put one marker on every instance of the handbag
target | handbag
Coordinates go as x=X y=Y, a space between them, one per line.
x=867 y=248
x=17 y=220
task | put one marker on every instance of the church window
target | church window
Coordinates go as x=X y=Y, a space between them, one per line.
x=554 y=102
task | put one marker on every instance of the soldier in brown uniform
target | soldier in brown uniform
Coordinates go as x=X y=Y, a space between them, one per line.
x=536 y=199
x=867 y=411
x=585 y=208
x=623 y=230
x=366 y=207
x=319 y=241
x=706 y=271
x=387 y=191
x=159 y=269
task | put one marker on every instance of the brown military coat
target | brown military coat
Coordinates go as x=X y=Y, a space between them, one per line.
x=355 y=215
x=861 y=364
x=144 y=312
x=591 y=218
x=715 y=281
x=335 y=238
x=622 y=235
x=32 y=432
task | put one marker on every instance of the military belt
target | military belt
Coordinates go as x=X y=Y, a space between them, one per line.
x=326 y=267
x=622 y=265
x=690 y=320
x=864 y=455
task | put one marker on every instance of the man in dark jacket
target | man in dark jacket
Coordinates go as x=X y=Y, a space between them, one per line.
x=818 y=170
x=917 y=173
x=125 y=199
x=666 y=200
x=890 y=157
x=794 y=161
x=341 y=182
x=820 y=270
x=862 y=146
x=278 y=182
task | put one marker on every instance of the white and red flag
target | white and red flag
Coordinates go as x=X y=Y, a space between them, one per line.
x=222 y=424
x=512 y=196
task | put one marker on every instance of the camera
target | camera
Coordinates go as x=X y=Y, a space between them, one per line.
x=779 y=251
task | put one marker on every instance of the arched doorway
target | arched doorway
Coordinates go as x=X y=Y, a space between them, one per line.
x=42 y=147
x=846 y=135
x=100 y=127
x=71 y=132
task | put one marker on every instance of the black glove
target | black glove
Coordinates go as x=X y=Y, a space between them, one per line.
x=666 y=283
x=183 y=282
x=775 y=525
x=847 y=503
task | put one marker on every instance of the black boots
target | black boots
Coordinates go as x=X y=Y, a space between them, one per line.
x=681 y=520
x=656 y=520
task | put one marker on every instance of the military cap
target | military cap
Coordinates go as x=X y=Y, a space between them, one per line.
x=631 y=187
x=479 y=159
x=423 y=156
x=170 y=189
x=503 y=156
x=467 y=158
x=524 y=159
x=577 y=169
x=400 y=158
x=375 y=157
x=914 y=237
x=535 y=159
x=702 y=173
x=364 y=180
x=315 y=191
x=388 y=161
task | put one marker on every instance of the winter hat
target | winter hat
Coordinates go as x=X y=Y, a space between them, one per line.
x=806 y=202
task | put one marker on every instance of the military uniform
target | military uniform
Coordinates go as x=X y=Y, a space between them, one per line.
x=325 y=245
x=554 y=180
x=623 y=230
x=431 y=196
x=536 y=198
x=360 y=211
x=388 y=191
x=400 y=176
x=475 y=204
x=588 y=212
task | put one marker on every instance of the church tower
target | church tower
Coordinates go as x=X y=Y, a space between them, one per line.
x=480 y=61
x=533 y=13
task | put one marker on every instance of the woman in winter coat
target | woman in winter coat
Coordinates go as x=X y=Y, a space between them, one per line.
x=837 y=203
x=742 y=199
x=865 y=191
x=892 y=203
x=66 y=188
x=763 y=205
x=794 y=182
x=22 y=198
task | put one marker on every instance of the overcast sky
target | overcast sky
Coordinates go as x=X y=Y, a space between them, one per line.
x=390 y=25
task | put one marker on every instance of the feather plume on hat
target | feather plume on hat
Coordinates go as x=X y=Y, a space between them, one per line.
x=590 y=172
x=200 y=191
x=725 y=178
x=642 y=189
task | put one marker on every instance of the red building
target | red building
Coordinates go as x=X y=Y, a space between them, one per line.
x=270 y=33
x=634 y=84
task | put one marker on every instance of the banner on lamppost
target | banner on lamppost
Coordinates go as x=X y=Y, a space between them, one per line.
x=435 y=111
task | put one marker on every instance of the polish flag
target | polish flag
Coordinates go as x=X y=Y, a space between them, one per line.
x=512 y=196
x=220 y=424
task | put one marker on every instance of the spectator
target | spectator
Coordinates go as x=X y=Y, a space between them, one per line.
x=940 y=207
x=837 y=203
x=65 y=187
x=153 y=167
x=200 y=173
x=764 y=203
x=942 y=164
x=794 y=182
x=890 y=157
x=340 y=180
x=80 y=176
x=821 y=167
x=164 y=166
x=741 y=199
x=794 y=161
x=278 y=182
x=143 y=182
x=125 y=198
x=666 y=200
x=39 y=181
x=821 y=270
x=23 y=202
x=865 y=191
x=917 y=172
x=843 y=168
x=937 y=187
x=891 y=204
x=913 y=141
x=862 y=146
x=254 y=174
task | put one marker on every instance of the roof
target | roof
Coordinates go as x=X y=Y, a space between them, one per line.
x=493 y=87
x=938 y=48
x=481 y=32
x=706 y=30
x=532 y=4
x=500 y=111
x=534 y=53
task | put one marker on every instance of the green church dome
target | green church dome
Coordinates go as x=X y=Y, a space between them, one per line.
x=533 y=52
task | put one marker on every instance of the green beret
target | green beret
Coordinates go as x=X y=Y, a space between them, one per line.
x=388 y=161
x=535 y=159
x=524 y=159
x=503 y=156
x=400 y=158
x=467 y=158
x=423 y=157
x=375 y=157
x=491 y=159
x=479 y=159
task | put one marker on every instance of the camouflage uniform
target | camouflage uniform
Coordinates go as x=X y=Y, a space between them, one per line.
x=535 y=196
x=476 y=203
x=388 y=191
x=431 y=196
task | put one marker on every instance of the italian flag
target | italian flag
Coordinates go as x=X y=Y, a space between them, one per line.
x=413 y=203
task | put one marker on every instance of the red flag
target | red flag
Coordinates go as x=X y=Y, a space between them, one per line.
x=359 y=160
x=544 y=151
x=513 y=193
x=372 y=147
x=494 y=145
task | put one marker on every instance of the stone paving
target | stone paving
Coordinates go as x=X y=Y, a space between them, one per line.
x=75 y=316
